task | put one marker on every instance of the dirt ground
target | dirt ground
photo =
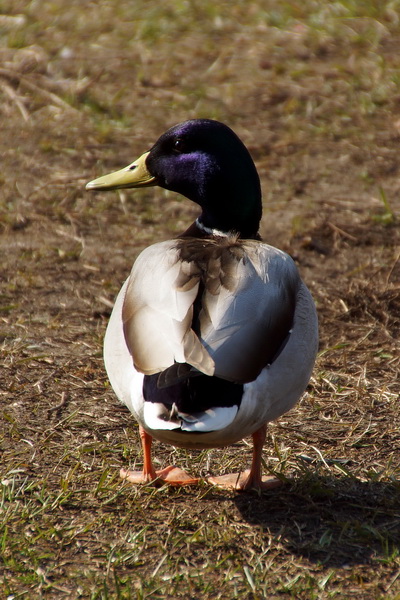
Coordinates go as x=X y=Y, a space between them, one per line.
x=85 y=91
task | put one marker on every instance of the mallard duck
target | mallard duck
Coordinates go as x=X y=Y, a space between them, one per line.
x=213 y=334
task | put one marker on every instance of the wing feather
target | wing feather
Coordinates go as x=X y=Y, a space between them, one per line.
x=243 y=327
x=224 y=307
x=158 y=312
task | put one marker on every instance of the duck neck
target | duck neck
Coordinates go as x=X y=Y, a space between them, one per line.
x=209 y=231
x=231 y=217
x=222 y=228
x=230 y=197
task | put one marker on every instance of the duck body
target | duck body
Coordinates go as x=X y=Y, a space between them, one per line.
x=213 y=334
x=253 y=393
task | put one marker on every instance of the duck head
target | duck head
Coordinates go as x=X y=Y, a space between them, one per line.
x=205 y=161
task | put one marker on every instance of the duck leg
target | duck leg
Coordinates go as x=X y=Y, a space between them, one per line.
x=251 y=479
x=171 y=475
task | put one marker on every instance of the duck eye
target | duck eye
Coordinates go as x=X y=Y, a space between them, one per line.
x=179 y=146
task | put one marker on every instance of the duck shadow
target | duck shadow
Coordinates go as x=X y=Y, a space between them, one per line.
x=333 y=521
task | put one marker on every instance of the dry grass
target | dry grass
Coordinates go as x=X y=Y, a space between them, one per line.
x=313 y=88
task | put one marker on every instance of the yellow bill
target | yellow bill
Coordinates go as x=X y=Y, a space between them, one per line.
x=132 y=176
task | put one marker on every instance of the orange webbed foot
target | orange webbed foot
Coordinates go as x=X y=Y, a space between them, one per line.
x=172 y=475
x=245 y=481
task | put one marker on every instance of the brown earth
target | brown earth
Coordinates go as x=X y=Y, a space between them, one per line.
x=76 y=103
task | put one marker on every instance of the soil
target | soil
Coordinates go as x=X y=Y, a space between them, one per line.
x=332 y=201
